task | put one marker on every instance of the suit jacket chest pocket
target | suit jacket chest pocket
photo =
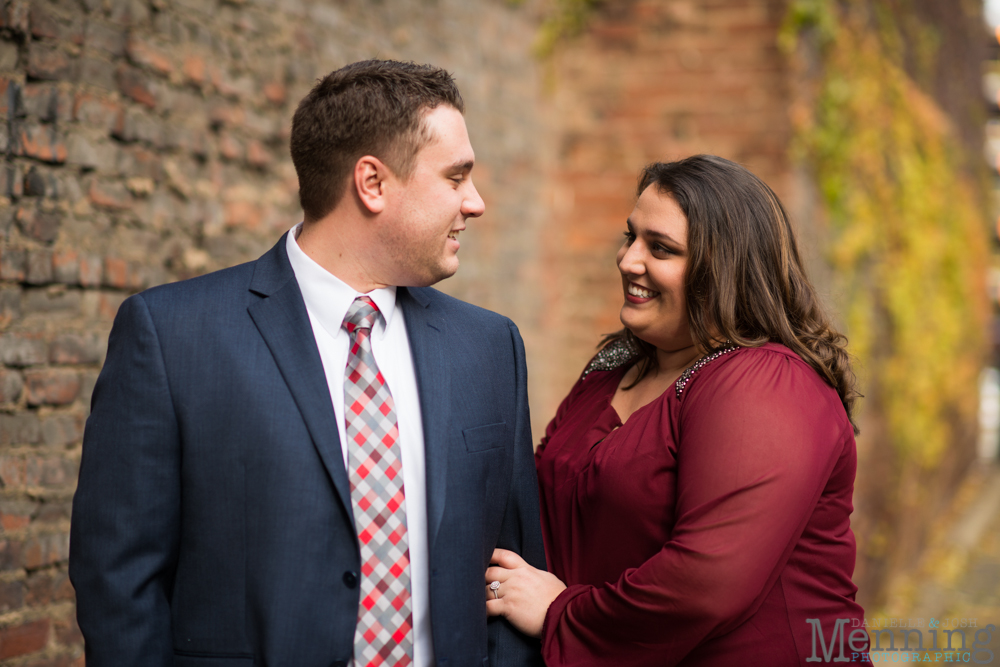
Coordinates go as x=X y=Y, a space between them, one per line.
x=483 y=438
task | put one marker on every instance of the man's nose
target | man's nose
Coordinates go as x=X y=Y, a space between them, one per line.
x=473 y=206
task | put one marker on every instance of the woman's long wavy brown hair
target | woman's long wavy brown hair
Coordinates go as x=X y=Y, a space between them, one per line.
x=744 y=280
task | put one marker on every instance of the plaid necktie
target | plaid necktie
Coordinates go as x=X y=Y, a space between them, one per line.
x=383 y=635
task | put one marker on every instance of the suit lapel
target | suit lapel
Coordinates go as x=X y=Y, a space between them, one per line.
x=282 y=320
x=427 y=334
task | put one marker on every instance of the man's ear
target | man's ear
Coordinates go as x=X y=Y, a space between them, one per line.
x=370 y=175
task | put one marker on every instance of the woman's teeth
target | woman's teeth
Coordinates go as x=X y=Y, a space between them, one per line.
x=635 y=290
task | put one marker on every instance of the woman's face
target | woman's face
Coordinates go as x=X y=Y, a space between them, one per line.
x=652 y=262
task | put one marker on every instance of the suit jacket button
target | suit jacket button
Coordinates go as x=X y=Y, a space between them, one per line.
x=350 y=579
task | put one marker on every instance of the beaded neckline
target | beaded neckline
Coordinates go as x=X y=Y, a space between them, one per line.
x=621 y=352
x=682 y=381
x=614 y=354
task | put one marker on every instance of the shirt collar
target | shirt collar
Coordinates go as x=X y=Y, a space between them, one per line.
x=327 y=297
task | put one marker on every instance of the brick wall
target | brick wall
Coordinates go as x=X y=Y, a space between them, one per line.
x=146 y=141
x=650 y=80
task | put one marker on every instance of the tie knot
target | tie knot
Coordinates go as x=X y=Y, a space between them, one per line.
x=361 y=315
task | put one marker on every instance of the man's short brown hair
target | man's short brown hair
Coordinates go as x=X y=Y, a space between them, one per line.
x=372 y=107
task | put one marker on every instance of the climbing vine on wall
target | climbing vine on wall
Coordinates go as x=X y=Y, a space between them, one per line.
x=907 y=226
x=562 y=19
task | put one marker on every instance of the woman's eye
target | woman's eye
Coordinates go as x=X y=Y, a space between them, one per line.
x=629 y=236
x=662 y=250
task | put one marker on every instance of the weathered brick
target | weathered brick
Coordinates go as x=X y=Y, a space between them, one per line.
x=91 y=270
x=99 y=156
x=276 y=93
x=87 y=381
x=96 y=111
x=48 y=301
x=39 y=224
x=34 y=183
x=98 y=72
x=11 y=384
x=108 y=39
x=11 y=593
x=5 y=85
x=47 y=62
x=48 y=102
x=76 y=348
x=41 y=142
x=23 y=349
x=140 y=161
x=15 y=15
x=10 y=304
x=39 y=269
x=37 y=471
x=45 y=549
x=66 y=266
x=261 y=125
x=11 y=550
x=109 y=195
x=9 y=55
x=13 y=263
x=47 y=586
x=194 y=70
x=230 y=148
x=53 y=511
x=68 y=633
x=61 y=430
x=135 y=125
x=243 y=214
x=51 y=386
x=7 y=215
x=108 y=305
x=148 y=55
x=115 y=272
x=45 y=24
x=228 y=115
x=20 y=429
x=133 y=84
x=16 y=513
x=13 y=181
x=128 y=12
x=257 y=155
x=24 y=639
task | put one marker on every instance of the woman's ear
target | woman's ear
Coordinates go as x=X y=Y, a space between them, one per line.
x=370 y=175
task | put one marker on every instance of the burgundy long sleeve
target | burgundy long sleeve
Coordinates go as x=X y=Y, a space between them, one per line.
x=707 y=528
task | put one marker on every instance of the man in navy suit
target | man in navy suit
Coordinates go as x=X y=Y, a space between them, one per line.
x=308 y=460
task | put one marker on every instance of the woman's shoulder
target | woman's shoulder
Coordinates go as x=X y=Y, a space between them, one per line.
x=771 y=370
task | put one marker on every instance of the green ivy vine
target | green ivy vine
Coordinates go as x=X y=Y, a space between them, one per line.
x=908 y=234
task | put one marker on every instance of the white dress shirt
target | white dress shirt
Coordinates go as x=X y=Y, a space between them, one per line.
x=327 y=299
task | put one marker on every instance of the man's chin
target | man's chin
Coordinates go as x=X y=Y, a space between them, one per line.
x=440 y=274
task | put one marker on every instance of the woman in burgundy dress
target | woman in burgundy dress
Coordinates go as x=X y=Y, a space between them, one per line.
x=696 y=483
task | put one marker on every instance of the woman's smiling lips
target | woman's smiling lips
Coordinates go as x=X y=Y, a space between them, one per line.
x=638 y=294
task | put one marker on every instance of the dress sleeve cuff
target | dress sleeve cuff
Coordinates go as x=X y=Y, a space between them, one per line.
x=551 y=649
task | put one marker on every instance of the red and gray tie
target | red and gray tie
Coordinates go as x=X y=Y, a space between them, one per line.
x=384 y=633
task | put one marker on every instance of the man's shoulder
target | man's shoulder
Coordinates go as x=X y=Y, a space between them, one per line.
x=455 y=310
x=217 y=284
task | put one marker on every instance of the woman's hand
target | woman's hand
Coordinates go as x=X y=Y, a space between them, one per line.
x=524 y=593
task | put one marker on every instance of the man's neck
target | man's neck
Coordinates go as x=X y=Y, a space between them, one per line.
x=327 y=243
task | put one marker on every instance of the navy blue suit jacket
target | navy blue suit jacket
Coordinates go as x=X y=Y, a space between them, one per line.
x=212 y=524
